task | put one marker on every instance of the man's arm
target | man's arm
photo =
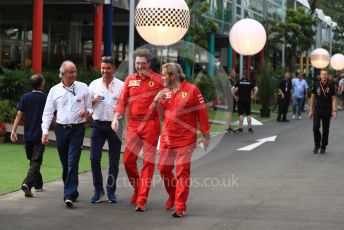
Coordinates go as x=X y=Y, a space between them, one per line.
x=47 y=117
x=235 y=93
x=255 y=92
x=311 y=106
x=334 y=106
x=121 y=105
x=280 y=92
x=202 y=117
x=15 y=126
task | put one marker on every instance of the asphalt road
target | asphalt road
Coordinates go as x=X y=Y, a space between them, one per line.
x=279 y=185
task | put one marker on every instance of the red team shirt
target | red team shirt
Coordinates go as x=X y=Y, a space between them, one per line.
x=139 y=93
x=183 y=110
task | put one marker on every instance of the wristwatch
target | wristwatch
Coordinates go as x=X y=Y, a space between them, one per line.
x=206 y=136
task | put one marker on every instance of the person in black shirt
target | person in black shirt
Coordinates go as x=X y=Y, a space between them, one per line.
x=284 y=92
x=322 y=106
x=243 y=95
x=31 y=109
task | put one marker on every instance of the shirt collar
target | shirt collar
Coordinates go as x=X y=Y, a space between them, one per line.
x=112 y=82
x=37 y=91
x=70 y=87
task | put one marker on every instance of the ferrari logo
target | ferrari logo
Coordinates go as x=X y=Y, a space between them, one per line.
x=151 y=83
x=184 y=94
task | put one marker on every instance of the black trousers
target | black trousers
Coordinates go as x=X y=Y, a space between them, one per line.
x=100 y=132
x=283 y=105
x=34 y=153
x=323 y=117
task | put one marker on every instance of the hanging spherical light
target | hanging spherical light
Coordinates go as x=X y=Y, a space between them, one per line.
x=320 y=58
x=247 y=37
x=162 y=22
x=337 y=62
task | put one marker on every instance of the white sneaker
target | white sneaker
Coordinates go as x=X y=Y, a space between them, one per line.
x=293 y=117
x=299 y=117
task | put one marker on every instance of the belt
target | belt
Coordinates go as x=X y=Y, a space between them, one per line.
x=70 y=126
x=105 y=122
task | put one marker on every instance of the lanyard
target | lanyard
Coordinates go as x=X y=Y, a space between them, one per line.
x=70 y=90
x=322 y=88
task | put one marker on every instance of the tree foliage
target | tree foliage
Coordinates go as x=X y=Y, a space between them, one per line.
x=296 y=33
x=200 y=27
x=334 y=9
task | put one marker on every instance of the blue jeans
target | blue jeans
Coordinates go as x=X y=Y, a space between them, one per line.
x=297 y=103
x=101 y=131
x=69 y=144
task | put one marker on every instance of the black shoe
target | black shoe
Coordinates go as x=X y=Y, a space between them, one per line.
x=178 y=214
x=230 y=130
x=322 y=151
x=140 y=209
x=239 y=130
x=315 y=150
x=26 y=190
x=69 y=203
x=250 y=130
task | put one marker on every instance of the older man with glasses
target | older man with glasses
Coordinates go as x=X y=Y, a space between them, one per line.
x=104 y=92
x=143 y=126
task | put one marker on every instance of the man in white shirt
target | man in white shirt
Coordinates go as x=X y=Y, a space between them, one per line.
x=70 y=99
x=104 y=92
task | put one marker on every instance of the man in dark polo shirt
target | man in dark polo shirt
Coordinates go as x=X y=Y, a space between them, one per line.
x=31 y=109
x=243 y=95
x=322 y=107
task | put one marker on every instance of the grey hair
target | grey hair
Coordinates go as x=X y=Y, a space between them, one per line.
x=63 y=67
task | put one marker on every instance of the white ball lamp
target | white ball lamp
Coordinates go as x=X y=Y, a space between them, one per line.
x=162 y=22
x=247 y=36
x=337 y=61
x=320 y=58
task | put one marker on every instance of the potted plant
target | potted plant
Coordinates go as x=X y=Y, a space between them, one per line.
x=266 y=83
x=2 y=133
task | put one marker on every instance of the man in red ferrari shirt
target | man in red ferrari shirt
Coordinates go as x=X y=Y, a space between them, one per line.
x=143 y=125
x=184 y=108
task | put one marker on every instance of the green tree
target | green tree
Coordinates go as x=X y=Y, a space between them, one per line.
x=334 y=9
x=200 y=27
x=296 y=33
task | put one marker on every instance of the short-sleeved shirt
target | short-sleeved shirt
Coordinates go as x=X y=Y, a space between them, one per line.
x=245 y=87
x=32 y=106
x=323 y=95
x=299 y=87
x=104 y=111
